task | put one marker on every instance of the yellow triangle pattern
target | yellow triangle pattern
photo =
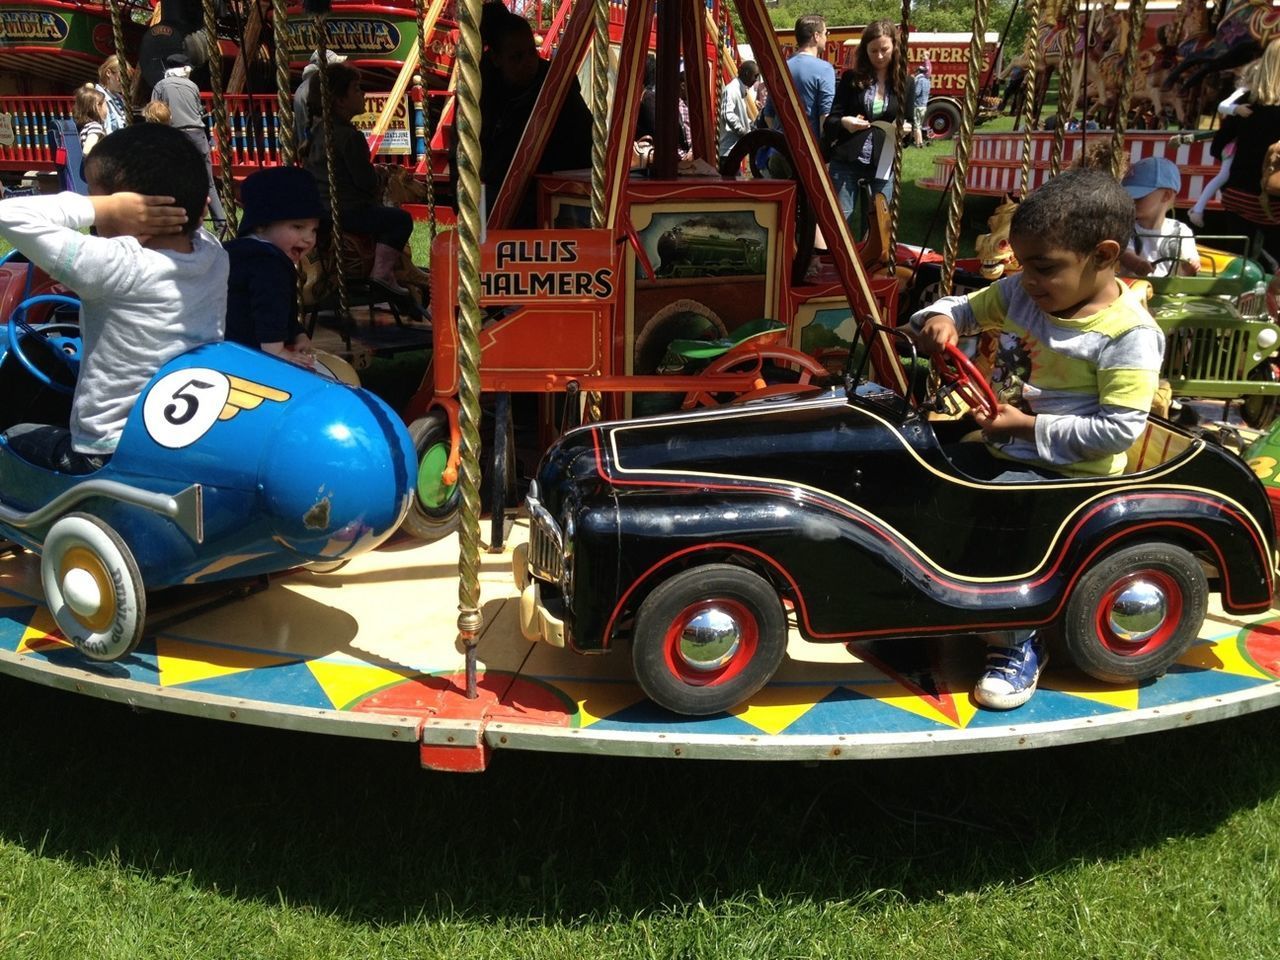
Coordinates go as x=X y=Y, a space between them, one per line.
x=598 y=701
x=41 y=633
x=345 y=684
x=774 y=709
x=894 y=694
x=1224 y=655
x=181 y=661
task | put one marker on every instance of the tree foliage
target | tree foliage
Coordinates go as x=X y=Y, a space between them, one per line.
x=931 y=15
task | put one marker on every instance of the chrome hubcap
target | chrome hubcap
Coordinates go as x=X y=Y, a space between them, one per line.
x=1138 y=611
x=709 y=640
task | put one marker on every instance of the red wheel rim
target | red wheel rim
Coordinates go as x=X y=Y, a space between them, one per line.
x=748 y=641
x=1118 y=645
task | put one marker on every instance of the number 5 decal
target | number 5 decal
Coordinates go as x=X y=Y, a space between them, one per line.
x=182 y=406
x=191 y=403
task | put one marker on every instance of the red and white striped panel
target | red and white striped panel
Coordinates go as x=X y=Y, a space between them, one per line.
x=995 y=161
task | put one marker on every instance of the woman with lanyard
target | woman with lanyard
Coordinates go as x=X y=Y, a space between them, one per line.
x=853 y=147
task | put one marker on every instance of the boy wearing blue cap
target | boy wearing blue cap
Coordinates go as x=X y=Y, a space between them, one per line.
x=281 y=216
x=1160 y=246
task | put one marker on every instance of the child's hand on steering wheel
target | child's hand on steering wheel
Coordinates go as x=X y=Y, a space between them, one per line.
x=938 y=332
x=1009 y=423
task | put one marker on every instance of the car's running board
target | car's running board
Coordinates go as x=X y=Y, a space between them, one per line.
x=185 y=508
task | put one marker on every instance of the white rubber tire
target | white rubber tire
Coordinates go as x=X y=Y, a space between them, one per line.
x=93 y=587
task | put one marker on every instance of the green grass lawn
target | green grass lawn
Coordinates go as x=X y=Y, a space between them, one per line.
x=126 y=835
x=146 y=835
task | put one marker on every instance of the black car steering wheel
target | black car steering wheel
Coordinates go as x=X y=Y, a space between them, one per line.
x=65 y=349
x=959 y=373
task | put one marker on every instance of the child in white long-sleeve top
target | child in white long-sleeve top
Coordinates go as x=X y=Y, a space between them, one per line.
x=152 y=283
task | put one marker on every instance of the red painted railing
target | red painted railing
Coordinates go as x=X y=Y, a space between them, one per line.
x=254 y=133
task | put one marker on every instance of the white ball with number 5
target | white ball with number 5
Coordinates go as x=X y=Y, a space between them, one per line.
x=183 y=405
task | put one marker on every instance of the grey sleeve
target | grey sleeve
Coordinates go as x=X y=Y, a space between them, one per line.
x=1112 y=429
x=957 y=308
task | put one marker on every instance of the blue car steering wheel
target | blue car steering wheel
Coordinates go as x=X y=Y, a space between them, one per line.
x=67 y=349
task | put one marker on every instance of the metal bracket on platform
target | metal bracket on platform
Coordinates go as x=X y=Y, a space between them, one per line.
x=454 y=746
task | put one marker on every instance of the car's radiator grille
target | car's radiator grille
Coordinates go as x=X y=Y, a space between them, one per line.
x=1208 y=353
x=1253 y=305
x=546 y=545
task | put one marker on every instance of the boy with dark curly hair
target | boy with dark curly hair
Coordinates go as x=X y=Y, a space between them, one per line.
x=1092 y=354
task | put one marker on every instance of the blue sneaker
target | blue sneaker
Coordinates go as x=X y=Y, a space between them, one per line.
x=1011 y=674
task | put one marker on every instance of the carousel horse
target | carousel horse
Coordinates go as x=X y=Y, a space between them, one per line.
x=995 y=255
x=1098 y=71
x=1052 y=31
x=1154 y=66
x=1245 y=28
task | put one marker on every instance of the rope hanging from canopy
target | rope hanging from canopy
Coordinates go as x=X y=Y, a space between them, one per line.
x=226 y=185
x=960 y=177
x=126 y=74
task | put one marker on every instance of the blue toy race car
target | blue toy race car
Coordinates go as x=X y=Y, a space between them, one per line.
x=232 y=464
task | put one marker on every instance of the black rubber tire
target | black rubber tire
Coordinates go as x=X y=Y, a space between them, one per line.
x=432 y=520
x=1085 y=627
x=502 y=475
x=658 y=620
x=1259 y=410
x=942 y=120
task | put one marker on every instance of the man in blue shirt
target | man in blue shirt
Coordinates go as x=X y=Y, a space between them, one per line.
x=919 y=102
x=814 y=78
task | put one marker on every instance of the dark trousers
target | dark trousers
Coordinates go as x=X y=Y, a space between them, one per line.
x=198 y=136
x=388 y=225
x=50 y=448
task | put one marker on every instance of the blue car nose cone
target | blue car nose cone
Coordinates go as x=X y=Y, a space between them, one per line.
x=336 y=473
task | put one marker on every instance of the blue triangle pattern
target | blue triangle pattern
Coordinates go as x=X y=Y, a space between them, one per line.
x=13 y=624
x=1043 y=707
x=140 y=666
x=292 y=684
x=648 y=717
x=1184 y=683
x=846 y=711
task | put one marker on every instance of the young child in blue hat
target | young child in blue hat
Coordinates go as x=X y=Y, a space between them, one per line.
x=281 y=216
x=1160 y=246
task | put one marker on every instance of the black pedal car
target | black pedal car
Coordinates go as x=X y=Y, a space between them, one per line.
x=694 y=539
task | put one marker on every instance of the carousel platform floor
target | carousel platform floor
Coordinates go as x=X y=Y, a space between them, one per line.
x=370 y=651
